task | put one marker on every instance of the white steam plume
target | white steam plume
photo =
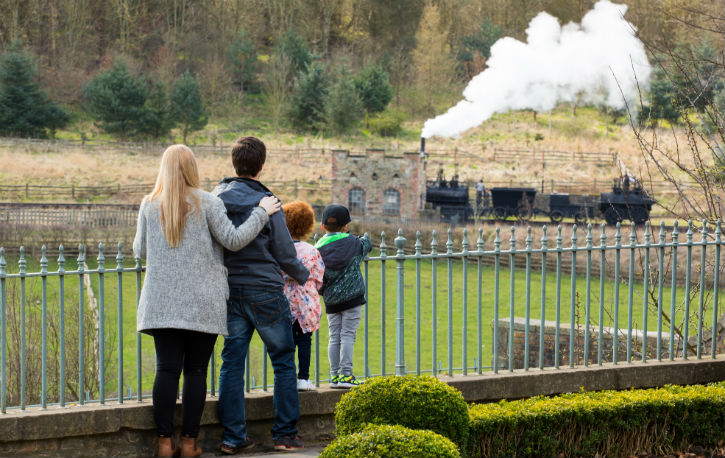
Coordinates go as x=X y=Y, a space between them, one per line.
x=586 y=63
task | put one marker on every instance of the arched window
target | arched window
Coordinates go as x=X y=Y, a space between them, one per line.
x=391 y=202
x=356 y=201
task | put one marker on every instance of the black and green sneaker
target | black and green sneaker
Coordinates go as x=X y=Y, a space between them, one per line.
x=348 y=381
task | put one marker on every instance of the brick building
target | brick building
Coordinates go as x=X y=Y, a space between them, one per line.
x=378 y=184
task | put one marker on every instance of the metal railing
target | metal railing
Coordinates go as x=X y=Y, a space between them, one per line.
x=449 y=311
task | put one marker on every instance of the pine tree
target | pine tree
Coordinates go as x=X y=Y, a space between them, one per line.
x=117 y=101
x=25 y=110
x=373 y=88
x=343 y=107
x=307 y=104
x=158 y=122
x=662 y=99
x=475 y=49
x=432 y=63
x=296 y=49
x=243 y=58
x=187 y=107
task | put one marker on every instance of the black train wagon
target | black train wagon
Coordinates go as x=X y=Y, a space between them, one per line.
x=561 y=206
x=518 y=202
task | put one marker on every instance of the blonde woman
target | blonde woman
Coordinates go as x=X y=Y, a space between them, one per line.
x=181 y=231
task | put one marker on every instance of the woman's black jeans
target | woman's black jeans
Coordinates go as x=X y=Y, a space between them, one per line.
x=178 y=349
x=303 y=342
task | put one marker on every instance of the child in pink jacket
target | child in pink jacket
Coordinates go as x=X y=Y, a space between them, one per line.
x=304 y=299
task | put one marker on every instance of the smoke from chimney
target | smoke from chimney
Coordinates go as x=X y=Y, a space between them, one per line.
x=594 y=62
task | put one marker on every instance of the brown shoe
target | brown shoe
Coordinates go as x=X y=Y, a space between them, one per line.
x=189 y=447
x=166 y=447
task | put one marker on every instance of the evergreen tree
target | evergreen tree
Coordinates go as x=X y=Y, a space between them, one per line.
x=477 y=47
x=662 y=99
x=699 y=78
x=433 y=65
x=117 y=101
x=343 y=106
x=243 y=59
x=158 y=122
x=296 y=49
x=373 y=88
x=187 y=107
x=25 y=110
x=307 y=104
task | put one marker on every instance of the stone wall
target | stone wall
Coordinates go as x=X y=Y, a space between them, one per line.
x=579 y=335
x=375 y=172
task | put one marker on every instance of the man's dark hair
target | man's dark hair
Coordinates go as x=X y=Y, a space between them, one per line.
x=248 y=156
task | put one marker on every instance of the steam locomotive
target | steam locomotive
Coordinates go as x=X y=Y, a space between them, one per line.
x=626 y=202
x=452 y=200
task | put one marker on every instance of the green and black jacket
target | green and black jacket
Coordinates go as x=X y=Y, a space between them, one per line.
x=342 y=286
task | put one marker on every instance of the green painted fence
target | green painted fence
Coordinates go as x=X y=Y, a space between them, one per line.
x=67 y=330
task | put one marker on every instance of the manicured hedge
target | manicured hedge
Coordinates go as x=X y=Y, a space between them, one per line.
x=412 y=401
x=384 y=441
x=607 y=423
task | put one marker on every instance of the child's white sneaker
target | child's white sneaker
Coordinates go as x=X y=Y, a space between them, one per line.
x=305 y=385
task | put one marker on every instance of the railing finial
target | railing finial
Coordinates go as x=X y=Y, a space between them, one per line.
x=449 y=243
x=400 y=243
x=119 y=257
x=21 y=262
x=703 y=231
x=43 y=260
x=61 y=259
x=559 y=238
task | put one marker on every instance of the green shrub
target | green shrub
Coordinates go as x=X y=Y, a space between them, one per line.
x=385 y=441
x=607 y=423
x=411 y=401
x=387 y=124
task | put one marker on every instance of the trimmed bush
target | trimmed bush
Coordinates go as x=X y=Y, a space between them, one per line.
x=411 y=401
x=607 y=423
x=384 y=441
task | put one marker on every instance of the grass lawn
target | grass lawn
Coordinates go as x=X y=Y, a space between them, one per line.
x=380 y=316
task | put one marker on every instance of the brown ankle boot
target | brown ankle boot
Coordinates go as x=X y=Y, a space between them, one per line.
x=166 y=447
x=189 y=447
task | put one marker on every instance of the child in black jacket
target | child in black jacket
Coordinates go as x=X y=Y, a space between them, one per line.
x=343 y=291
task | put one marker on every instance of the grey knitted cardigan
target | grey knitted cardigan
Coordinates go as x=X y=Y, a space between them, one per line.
x=186 y=287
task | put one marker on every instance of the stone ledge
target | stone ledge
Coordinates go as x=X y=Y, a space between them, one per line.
x=56 y=422
x=523 y=384
x=128 y=429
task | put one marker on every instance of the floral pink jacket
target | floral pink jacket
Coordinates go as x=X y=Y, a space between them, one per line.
x=304 y=300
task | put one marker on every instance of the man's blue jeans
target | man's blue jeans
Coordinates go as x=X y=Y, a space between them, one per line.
x=268 y=312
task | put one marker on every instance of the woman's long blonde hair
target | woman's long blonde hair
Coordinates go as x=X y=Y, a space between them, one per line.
x=178 y=176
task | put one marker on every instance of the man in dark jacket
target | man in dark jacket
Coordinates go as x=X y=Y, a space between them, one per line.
x=257 y=301
x=343 y=291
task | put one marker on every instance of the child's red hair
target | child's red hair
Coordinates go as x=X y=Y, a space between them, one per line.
x=300 y=219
